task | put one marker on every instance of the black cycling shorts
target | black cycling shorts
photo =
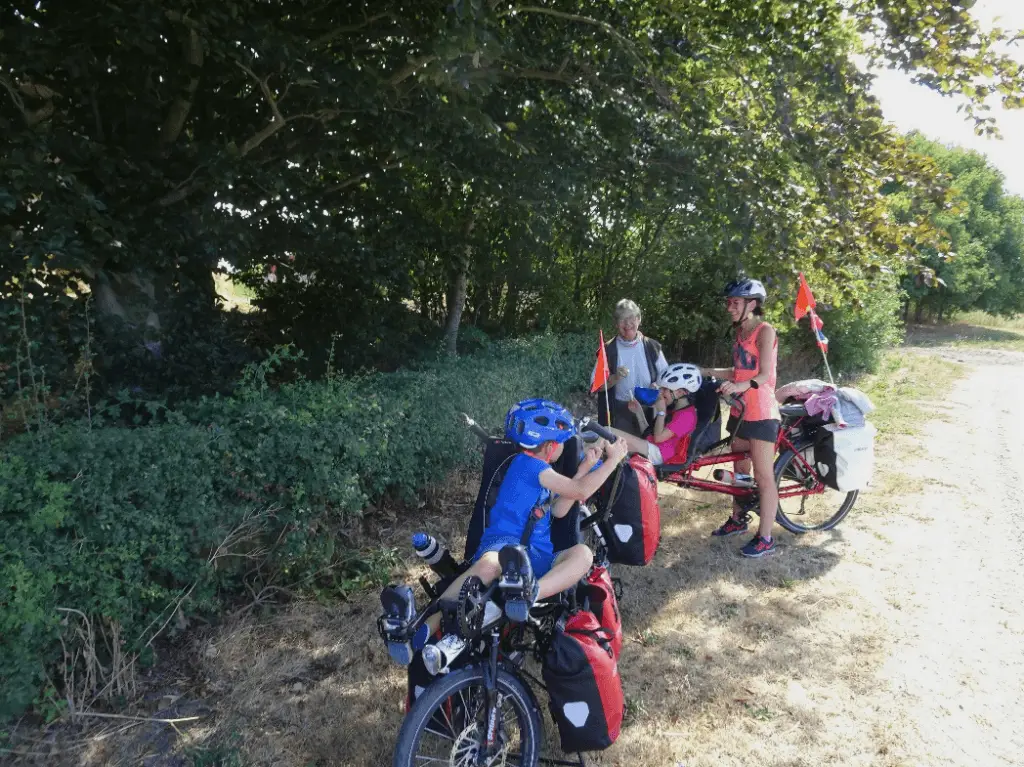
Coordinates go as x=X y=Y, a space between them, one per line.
x=766 y=431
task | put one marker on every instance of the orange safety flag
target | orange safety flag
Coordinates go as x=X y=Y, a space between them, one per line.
x=804 y=299
x=601 y=371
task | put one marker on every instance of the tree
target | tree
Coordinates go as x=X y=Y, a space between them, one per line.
x=404 y=167
x=984 y=266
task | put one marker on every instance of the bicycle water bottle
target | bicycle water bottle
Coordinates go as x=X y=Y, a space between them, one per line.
x=430 y=550
x=736 y=480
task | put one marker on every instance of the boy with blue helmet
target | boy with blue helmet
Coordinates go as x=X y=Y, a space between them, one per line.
x=530 y=493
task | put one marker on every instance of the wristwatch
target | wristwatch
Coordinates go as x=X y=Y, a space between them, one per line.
x=658 y=412
x=753 y=383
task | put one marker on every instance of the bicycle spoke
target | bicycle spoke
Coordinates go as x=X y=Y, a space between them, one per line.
x=447 y=718
x=440 y=734
x=452 y=729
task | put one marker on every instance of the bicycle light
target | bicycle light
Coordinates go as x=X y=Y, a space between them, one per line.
x=438 y=657
x=432 y=659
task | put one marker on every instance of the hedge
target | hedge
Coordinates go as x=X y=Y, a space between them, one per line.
x=125 y=524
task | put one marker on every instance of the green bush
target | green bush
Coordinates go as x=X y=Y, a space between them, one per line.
x=227 y=495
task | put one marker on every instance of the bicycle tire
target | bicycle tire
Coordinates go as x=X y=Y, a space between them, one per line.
x=782 y=463
x=429 y=706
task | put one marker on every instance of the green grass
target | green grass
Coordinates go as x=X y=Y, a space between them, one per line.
x=971 y=330
x=984 y=320
x=235 y=294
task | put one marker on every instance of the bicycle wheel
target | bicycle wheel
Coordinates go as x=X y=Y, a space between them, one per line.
x=805 y=502
x=446 y=725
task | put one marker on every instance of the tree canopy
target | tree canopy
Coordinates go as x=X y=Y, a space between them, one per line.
x=984 y=266
x=404 y=169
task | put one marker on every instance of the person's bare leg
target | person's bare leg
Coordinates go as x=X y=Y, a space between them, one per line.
x=486 y=569
x=763 y=455
x=569 y=567
x=741 y=466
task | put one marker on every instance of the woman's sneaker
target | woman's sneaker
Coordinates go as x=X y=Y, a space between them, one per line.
x=733 y=526
x=758 y=547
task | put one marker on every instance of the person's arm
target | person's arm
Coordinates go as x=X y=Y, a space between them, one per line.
x=562 y=504
x=660 y=364
x=579 y=489
x=765 y=345
x=660 y=431
x=620 y=372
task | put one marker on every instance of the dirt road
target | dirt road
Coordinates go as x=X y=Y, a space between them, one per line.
x=956 y=661
x=896 y=640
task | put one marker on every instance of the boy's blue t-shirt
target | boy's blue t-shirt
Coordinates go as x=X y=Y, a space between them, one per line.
x=520 y=493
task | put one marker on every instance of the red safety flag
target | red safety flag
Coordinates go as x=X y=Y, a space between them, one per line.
x=601 y=371
x=804 y=299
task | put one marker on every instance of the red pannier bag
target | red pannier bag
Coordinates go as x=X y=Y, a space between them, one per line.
x=632 y=529
x=583 y=682
x=600 y=594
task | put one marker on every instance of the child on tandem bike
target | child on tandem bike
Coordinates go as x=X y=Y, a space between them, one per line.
x=530 y=493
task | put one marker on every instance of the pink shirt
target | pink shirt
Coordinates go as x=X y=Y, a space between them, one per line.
x=680 y=423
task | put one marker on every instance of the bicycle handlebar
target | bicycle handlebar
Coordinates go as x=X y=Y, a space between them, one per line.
x=477 y=429
x=598 y=429
x=732 y=400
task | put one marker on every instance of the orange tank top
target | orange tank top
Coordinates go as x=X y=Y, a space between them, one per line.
x=760 y=402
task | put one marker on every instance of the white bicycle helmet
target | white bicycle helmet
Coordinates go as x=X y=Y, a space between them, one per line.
x=682 y=375
x=746 y=288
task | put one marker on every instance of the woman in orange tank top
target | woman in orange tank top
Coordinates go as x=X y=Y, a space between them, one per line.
x=752 y=379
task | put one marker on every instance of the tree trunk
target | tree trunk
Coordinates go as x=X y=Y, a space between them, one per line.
x=457 y=295
x=919 y=312
x=511 y=314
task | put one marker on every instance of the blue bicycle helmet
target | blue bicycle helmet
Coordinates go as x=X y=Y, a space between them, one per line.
x=526 y=403
x=532 y=422
x=746 y=289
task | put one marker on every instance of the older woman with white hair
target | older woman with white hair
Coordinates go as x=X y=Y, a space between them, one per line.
x=633 y=360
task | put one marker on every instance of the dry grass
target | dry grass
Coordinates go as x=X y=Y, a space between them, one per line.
x=784 y=661
x=974 y=330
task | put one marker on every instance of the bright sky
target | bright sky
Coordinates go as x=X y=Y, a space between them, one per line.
x=912 y=106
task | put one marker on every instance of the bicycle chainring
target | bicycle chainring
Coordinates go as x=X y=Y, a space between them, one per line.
x=470 y=613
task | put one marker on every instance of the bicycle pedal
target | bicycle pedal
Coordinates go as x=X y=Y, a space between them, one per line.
x=400 y=652
x=517 y=610
x=492 y=614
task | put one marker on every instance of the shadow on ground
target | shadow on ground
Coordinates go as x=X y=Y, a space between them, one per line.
x=313 y=684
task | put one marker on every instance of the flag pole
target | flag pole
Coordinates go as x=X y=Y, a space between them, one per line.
x=602 y=366
x=827 y=368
